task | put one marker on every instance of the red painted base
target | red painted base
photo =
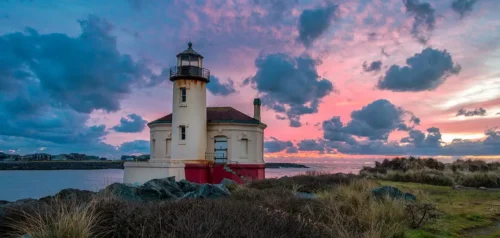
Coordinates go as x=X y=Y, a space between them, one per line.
x=214 y=173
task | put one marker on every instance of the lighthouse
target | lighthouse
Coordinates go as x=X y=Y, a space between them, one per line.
x=189 y=106
x=199 y=143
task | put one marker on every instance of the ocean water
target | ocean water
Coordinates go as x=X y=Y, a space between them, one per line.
x=20 y=184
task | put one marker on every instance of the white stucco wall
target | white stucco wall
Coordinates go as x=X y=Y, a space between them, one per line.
x=237 y=134
x=160 y=141
x=193 y=115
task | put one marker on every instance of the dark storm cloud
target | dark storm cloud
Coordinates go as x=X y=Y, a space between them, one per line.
x=222 y=89
x=462 y=7
x=476 y=112
x=333 y=130
x=314 y=22
x=133 y=123
x=424 y=19
x=375 y=120
x=374 y=66
x=425 y=71
x=291 y=150
x=133 y=147
x=49 y=83
x=418 y=139
x=311 y=145
x=85 y=73
x=290 y=84
x=274 y=145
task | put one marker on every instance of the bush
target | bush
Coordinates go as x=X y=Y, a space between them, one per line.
x=421 y=176
x=305 y=183
x=488 y=179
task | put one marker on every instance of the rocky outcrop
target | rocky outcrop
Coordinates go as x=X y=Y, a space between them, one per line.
x=167 y=189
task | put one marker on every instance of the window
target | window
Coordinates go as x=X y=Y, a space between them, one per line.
x=153 y=147
x=183 y=94
x=183 y=132
x=168 y=143
x=244 y=147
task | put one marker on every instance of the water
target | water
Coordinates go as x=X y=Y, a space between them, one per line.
x=20 y=184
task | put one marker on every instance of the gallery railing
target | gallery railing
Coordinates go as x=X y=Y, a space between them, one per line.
x=189 y=71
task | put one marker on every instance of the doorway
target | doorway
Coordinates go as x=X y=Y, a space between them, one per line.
x=220 y=150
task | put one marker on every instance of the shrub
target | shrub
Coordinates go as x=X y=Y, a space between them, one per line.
x=305 y=183
x=432 y=177
x=486 y=179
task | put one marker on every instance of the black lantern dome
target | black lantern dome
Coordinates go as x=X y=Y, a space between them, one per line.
x=189 y=66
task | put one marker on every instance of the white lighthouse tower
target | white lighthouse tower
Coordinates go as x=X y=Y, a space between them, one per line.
x=189 y=106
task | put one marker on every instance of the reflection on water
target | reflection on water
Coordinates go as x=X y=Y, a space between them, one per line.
x=19 y=184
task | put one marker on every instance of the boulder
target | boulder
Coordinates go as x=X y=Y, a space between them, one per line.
x=167 y=188
x=123 y=191
x=187 y=186
x=229 y=184
x=71 y=194
x=208 y=191
x=392 y=192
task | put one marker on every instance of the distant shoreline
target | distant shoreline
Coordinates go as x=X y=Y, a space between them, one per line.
x=92 y=165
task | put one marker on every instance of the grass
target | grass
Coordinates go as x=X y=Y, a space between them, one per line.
x=462 y=210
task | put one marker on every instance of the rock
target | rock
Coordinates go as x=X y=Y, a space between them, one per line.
x=482 y=188
x=166 y=187
x=16 y=205
x=457 y=187
x=392 y=192
x=70 y=194
x=187 y=186
x=229 y=184
x=2 y=202
x=123 y=191
x=208 y=191
x=301 y=195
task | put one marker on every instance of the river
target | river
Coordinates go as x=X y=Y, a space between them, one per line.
x=20 y=184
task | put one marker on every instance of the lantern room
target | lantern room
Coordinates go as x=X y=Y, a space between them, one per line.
x=190 y=65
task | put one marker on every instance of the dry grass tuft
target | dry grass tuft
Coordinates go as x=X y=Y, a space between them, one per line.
x=56 y=219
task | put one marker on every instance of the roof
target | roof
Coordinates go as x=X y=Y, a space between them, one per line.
x=190 y=51
x=218 y=115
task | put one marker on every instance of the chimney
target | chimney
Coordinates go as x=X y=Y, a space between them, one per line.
x=256 y=109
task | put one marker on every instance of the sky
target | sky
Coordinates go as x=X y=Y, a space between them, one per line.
x=337 y=79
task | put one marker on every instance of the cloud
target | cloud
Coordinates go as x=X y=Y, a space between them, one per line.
x=314 y=22
x=278 y=117
x=374 y=121
x=425 y=71
x=274 y=145
x=290 y=84
x=133 y=123
x=50 y=83
x=462 y=7
x=221 y=89
x=85 y=73
x=134 y=147
x=420 y=140
x=424 y=19
x=276 y=9
x=291 y=150
x=374 y=66
x=311 y=145
x=476 y=112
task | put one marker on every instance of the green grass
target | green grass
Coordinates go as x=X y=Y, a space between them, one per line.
x=462 y=210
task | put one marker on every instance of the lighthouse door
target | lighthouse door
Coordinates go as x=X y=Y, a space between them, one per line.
x=220 y=150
